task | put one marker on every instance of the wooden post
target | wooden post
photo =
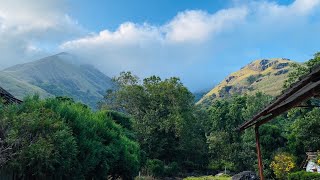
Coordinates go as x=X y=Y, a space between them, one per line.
x=259 y=153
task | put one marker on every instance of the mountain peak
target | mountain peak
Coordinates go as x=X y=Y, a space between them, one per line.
x=57 y=75
x=62 y=57
x=264 y=64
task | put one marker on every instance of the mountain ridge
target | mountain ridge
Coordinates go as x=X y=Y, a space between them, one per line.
x=57 y=75
x=262 y=75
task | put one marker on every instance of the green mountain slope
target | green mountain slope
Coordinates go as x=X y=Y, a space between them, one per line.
x=265 y=75
x=56 y=75
x=20 y=88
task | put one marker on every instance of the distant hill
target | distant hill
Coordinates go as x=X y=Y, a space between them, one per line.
x=56 y=75
x=264 y=75
x=200 y=93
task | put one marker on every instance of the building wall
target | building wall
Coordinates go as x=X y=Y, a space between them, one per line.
x=312 y=165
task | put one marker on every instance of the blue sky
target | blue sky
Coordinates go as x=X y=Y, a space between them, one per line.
x=200 y=41
x=101 y=14
x=98 y=15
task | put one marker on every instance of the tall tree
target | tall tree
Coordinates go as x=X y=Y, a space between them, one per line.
x=164 y=116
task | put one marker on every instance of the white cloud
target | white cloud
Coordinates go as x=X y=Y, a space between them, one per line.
x=147 y=49
x=194 y=37
x=188 y=26
x=23 y=24
x=304 y=6
x=200 y=25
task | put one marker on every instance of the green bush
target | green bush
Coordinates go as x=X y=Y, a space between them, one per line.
x=43 y=144
x=155 y=167
x=60 y=139
x=172 y=169
x=303 y=175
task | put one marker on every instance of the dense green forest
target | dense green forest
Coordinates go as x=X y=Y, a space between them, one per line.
x=154 y=127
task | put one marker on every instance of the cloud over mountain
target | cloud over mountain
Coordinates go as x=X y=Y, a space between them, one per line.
x=28 y=28
x=194 y=45
x=142 y=47
x=195 y=37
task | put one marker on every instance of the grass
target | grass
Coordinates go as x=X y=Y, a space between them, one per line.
x=208 y=178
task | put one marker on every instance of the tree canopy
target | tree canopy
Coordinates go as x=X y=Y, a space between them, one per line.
x=165 y=119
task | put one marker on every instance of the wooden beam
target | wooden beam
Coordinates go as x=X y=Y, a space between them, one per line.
x=308 y=106
x=289 y=105
x=260 y=165
x=313 y=76
x=295 y=100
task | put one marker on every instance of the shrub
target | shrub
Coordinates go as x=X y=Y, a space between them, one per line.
x=282 y=164
x=172 y=169
x=64 y=140
x=155 y=167
x=43 y=143
x=303 y=175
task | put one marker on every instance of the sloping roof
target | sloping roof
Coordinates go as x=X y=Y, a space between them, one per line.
x=308 y=86
x=7 y=97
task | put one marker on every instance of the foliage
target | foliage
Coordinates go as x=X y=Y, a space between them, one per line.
x=165 y=119
x=58 y=138
x=155 y=167
x=301 y=69
x=295 y=132
x=305 y=131
x=282 y=164
x=43 y=143
x=303 y=175
x=227 y=148
x=223 y=177
x=303 y=124
x=171 y=169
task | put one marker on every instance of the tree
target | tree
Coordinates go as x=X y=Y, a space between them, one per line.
x=299 y=70
x=164 y=118
x=302 y=123
x=235 y=151
x=304 y=132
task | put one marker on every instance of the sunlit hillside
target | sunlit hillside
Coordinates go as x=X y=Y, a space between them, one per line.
x=264 y=75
